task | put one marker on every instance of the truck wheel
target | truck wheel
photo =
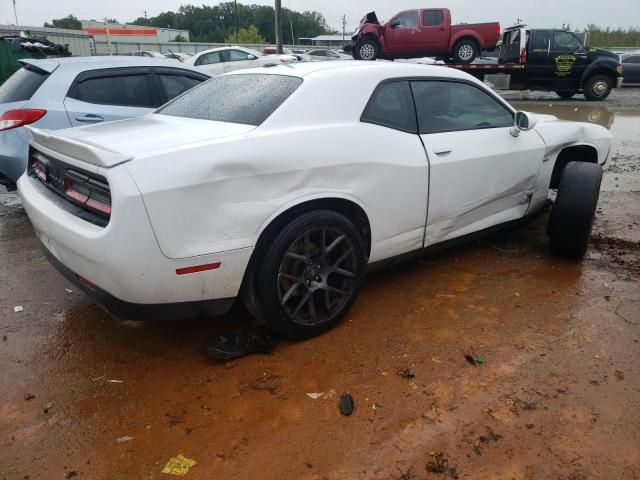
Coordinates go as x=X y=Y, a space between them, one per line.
x=572 y=213
x=309 y=274
x=367 y=49
x=465 y=51
x=566 y=94
x=597 y=87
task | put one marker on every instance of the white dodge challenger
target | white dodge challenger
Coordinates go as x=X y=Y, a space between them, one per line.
x=280 y=185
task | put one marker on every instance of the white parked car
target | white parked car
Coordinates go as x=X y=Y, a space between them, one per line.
x=228 y=59
x=282 y=184
x=325 y=54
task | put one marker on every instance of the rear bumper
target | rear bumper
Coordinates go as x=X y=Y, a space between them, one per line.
x=123 y=259
x=138 y=311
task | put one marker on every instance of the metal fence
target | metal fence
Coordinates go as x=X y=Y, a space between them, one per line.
x=124 y=48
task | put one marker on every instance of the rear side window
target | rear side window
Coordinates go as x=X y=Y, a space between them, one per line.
x=541 y=40
x=391 y=105
x=175 y=85
x=133 y=90
x=208 y=58
x=632 y=59
x=431 y=18
x=243 y=98
x=22 y=84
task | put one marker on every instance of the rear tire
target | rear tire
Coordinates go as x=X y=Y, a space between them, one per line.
x=309 y=274
x=465 y=51
x=598 y=87
x=573 y=211
x=367 y=49
x=566 y=94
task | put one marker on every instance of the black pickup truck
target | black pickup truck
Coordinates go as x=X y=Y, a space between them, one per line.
x=553 y=60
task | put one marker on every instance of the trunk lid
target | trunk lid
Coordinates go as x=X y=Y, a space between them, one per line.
x=110 y=144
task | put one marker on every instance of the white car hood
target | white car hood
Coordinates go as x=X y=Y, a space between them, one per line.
x=112 y=143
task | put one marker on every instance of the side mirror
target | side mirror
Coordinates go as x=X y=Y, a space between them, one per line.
x=524 y=122
x=394 y=24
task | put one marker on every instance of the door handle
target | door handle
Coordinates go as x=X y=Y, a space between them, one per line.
x=415 y=30
x=442 y=149
x=90 y=118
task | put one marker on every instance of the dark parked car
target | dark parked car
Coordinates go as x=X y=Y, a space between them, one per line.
x=631 y=64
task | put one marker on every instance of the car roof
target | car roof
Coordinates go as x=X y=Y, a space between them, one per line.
x=90 y=63
x=229 y=47
x=380 y=68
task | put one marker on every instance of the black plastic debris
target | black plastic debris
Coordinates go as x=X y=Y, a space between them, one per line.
x=346 y=404
x=228 y=345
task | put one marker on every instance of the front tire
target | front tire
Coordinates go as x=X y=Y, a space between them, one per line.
x=573 y=211
x=309 y=275
x=598 y=87
x=367 y=49
x=465 y=51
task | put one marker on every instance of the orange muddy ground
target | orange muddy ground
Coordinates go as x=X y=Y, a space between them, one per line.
x=558 y=394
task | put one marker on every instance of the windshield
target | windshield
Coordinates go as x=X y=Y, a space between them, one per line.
x=242 y=98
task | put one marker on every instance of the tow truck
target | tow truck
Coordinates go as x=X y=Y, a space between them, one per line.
x=552 y=60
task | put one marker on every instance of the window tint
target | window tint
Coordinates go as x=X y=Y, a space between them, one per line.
x=391 y=106
x=22 y=85
x=318 y=53
x=175 y=85
x=208 y=58
x=565 y=41
x=431 y=18
x=451 y=106
x=406 y=19
x=332 y=54
x=541 y=40
x=127 y=90
x=241 y=98
x=234 y=55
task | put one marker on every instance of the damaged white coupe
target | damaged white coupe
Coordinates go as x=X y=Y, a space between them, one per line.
x=282 y=185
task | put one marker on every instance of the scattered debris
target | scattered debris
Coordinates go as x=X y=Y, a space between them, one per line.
x=315 y=395
x=440 y=464
x=178 y=465
x=47 y=407
x=594 y=382
x=517 y=295
x=4 y=338
x=619 y=375
x=406 y=373
x=529 y=426
x=68 y=290
x=18 y=308
x=491 y=436
x=126 y=438
x=99 y=378
x=474 y=359
x=114 y=381
x=346 y=404
x=436 y=360
x=71 y=474
x=225 y=346
x=29 y=396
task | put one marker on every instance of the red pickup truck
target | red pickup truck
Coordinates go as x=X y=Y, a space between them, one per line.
x=422 y=33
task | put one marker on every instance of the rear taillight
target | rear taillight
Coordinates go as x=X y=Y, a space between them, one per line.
x=89 y=192
x=38 y=166
x=19 y=118
x=523 y=56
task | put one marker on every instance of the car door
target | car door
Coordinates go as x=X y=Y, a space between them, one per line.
x=480 y=174
x=568 y=60
x=175 y=81
x=434 y=33
x=400 y=33
x=109 y=94
x=238 y=60
x=211 y=62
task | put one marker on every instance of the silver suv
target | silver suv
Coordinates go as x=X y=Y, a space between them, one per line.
x=71 y=92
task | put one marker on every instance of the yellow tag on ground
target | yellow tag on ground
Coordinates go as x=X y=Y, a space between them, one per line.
x=179 y=465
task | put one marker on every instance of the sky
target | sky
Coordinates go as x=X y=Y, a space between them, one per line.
x=536 y=13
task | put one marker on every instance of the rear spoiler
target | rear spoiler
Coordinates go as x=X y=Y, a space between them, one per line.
x=82 y=151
